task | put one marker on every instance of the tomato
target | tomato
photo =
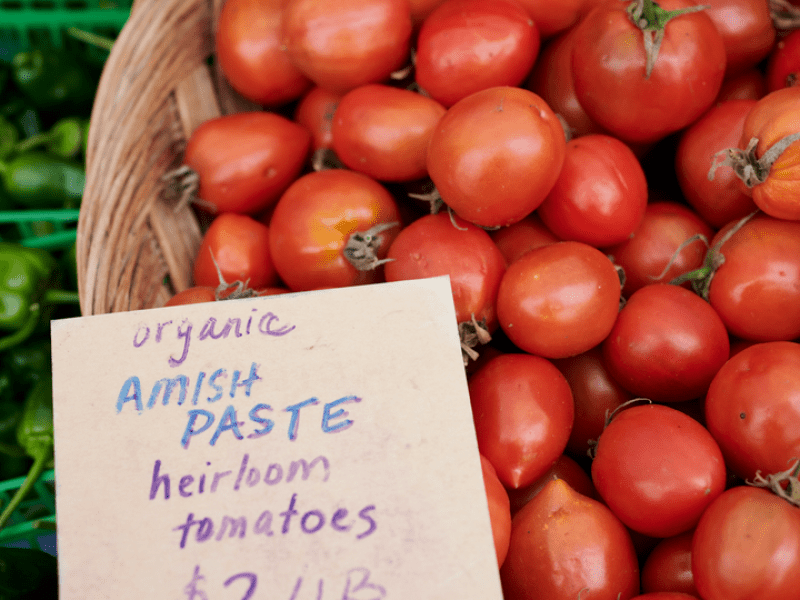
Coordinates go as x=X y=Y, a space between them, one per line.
x=769 y=157
x=559 y=300
x=609 y=61
x=747 y=85
x=783 y=64
x=341 y=45
x=746 y=29
x=564 y=468
x=600 y=195
x=552 y=18
x=523 y=412
x=193 y=295
x=665 y=596
x=565 y=546
x=753 y=408
x=516 y=239
x=420 y=9
x=248 y=48
x=317 y=221
x=465 y=46
x=315 y=112
x=756 y=290
x=239 y=246
x=435 y=245
x=666 y=345
x=245 y=161
x=722 y=199
x=668 y=567
x=384 y=131
x=747 y=547
x=657 y=242
x=551 y=78
x=499 y=509
x=496 y=154
x=595 y=394
x=657 y=469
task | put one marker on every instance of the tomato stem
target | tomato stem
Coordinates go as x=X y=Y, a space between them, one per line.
x=785 y=15
x=651 y=19
x=472 y=333
x=750 y=169
x=361 y=249
x=686 y=243
x=784 y=483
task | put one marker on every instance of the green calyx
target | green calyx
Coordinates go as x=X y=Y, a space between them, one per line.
x=652 y=20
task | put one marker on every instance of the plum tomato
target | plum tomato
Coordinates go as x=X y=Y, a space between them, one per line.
x=239 y=246
x=654 y=97
x=436 y=245
x=662 y=239
x=384 y=131
x=341 y=45
x=496 y=154
x=657 y=469
x=747 y=85
x=245 y=161
x=565 y=546
x=746 y=28
x=552 y=18
x=668 y=567
x=595 y=394
x=465 y=46
x=248 y=48
x=193 y=295
x=753 y=409
x=332 y=229
x=315 y=112
x=499 y=509
x=517 y=238
x=559 y=300
x=523 y=412
x=564 y=468
x=722 y=199
x=747 y=547
x=756 y=289
x=600 y=195
x=783 y=64
x=666 y=345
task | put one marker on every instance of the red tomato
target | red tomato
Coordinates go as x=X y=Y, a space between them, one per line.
x=753 y=409
x=666 y=345
x=499 y=509
x=668 y=567
x=747 y=85
x=239 y=246
x=564 y=468
x=609 y=61
x=551 y=78
x=783 y=65
x=435 y=245
x=193 y=295
x=747 y=547
x=656 y=241
x=595 y=393
x=565 y=546
x=774 y=181
x=496 y=154
x=522 y=407
x=665 y=596
x=722 y=199
x=465 y=46
x=756 y=290
x=746 y=29
x=420 y=9
x=248 y=47
x=552 y=18
x=245 y=161
x=516 y=239
x=600 y=195
x=559 y=300
x=318 y=219
x=384 y=131
x=341 y=45
x=315 y=112
x=657 y=469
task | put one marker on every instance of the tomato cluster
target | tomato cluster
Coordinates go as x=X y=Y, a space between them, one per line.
x=613 y=188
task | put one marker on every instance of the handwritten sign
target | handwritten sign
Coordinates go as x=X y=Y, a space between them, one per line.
x=314 y=446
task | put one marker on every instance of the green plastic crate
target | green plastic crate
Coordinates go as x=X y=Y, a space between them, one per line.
x=33 y=524
x=24 y=21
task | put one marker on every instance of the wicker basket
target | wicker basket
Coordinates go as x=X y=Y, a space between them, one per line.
x=135 y=248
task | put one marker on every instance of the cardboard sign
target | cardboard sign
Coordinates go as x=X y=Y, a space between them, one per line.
x=314 y=446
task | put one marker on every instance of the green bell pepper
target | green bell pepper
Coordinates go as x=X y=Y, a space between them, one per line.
x=37 y=179
x=53 y=79
x=28 y=574
x=35 y=437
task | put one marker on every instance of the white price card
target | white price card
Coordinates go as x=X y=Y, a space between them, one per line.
x=314 y=446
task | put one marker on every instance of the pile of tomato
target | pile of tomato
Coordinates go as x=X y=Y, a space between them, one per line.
x=613 y=187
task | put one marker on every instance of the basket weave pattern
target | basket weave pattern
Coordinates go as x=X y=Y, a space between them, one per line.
x=135 y=248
